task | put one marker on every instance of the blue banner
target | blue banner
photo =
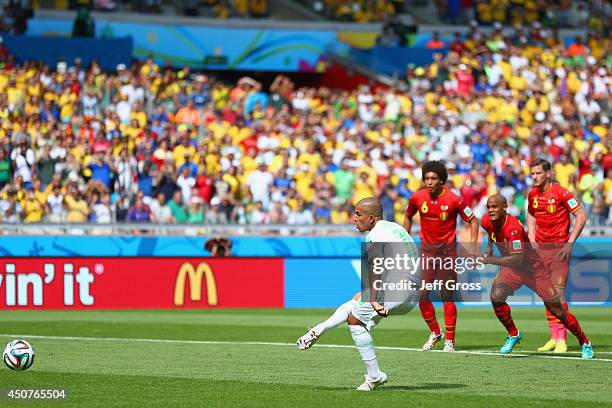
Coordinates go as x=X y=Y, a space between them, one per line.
x=320 y=282
x=108 y=52
x=393 y=60
x=211 y=47
x=69 y=246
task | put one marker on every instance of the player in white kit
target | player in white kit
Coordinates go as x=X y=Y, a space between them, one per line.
x=364 y=311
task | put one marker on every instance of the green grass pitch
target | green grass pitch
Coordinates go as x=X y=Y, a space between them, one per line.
x=210 y=363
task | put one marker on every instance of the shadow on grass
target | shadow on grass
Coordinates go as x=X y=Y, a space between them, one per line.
x=416 y=387
x=423 y=387
x=479 y=347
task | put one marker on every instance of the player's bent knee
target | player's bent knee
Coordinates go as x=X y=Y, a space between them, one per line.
x=556 y=309
x=500 y=293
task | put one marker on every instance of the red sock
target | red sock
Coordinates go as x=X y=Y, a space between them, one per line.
x=572 y=325
x=429 y=315
x=450 y=319
x=502 y=311
x=561 y=330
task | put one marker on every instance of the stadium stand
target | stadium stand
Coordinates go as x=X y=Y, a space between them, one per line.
x=153 y=144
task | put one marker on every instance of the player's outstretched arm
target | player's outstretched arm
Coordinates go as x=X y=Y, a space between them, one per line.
x=512 y=260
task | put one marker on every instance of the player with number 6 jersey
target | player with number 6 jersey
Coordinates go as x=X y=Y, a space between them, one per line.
x=438 y=208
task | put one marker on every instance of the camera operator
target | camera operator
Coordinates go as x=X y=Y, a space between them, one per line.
x=219 y=247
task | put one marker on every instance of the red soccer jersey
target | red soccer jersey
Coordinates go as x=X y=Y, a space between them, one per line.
x=511 y=238
x=439 y=215
x=551 y=210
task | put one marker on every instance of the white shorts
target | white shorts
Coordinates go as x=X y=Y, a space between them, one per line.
x=365 y=313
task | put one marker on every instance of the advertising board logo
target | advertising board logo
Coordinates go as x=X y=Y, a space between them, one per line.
x=202 y=274
x=27 y=288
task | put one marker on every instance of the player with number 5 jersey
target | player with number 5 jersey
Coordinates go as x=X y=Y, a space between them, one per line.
x=548 y=219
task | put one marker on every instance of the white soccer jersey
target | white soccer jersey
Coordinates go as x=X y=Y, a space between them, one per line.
x=388 y=239
x=386 y=231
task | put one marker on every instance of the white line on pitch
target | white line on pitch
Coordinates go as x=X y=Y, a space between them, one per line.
x=267 y=343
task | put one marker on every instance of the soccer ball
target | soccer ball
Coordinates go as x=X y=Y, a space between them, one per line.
x=18 y=355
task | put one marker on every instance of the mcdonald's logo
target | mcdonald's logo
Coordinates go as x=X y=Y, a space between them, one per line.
x=195 y=284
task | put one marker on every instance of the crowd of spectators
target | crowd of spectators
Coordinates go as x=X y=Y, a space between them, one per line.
x=358 y=11
x=152 y=144
x=218 y=8
x=594 y=14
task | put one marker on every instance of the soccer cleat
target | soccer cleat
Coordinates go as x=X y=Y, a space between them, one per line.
x=511 y=341
x=561 y=347
x=307 y=340
x=549 y=346
x=587 y=351
x=449 y=346
x=431 y=342
x=370 y=385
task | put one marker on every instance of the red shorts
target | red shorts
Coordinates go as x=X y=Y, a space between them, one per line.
x=557 y=267
x=537 y=280
x=439 y=265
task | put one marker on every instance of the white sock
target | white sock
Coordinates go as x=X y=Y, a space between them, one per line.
x=339 y=317
x=365 y=344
